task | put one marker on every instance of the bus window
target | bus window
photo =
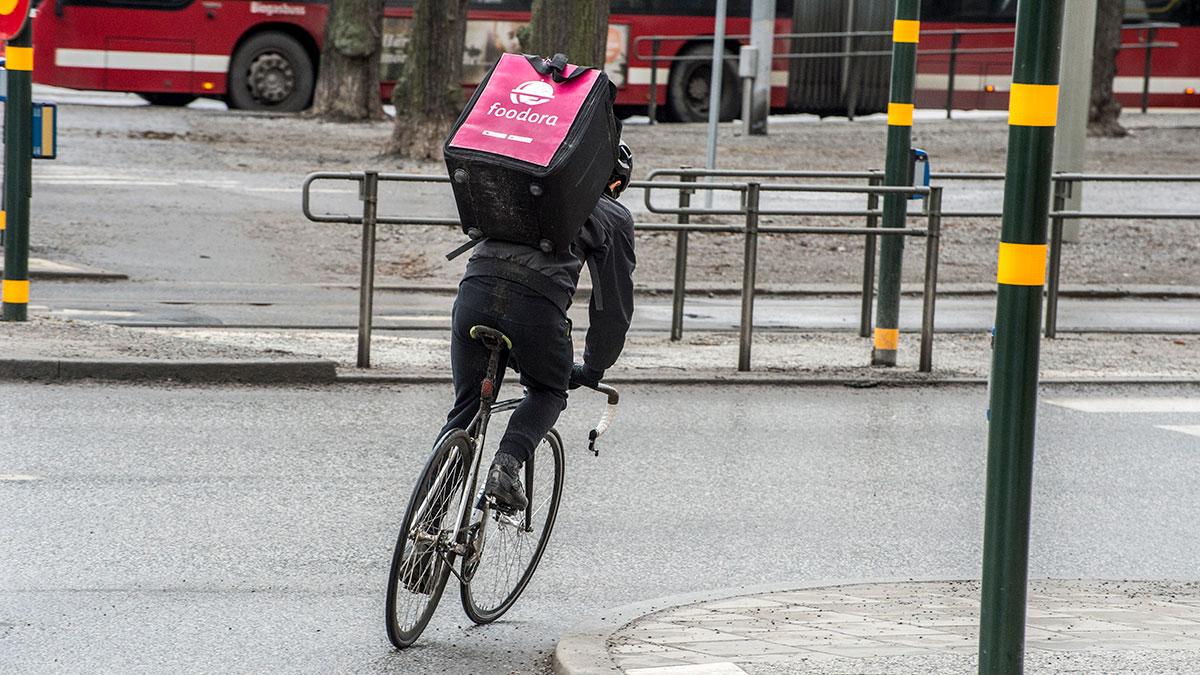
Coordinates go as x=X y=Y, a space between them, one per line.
x=1184 y=12
x=130 y=4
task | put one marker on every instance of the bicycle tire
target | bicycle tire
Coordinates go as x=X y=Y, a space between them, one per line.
x=485 y=607
x=409 y=579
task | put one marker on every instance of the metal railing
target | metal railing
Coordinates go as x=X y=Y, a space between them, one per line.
x=1063 y=187
x=1147 y=33
x=750 y=209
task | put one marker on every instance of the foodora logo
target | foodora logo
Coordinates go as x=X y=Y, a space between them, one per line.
x=533 y=92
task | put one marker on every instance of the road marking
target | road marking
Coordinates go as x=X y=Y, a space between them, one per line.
x=17 y=477
x=1191 y=431
x=1129 y=405
x=723 y=668
x=95 y=312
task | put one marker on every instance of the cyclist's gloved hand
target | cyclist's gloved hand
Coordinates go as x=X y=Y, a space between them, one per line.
x=582 y=375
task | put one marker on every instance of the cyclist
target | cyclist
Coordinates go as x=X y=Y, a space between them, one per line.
x=525 y=293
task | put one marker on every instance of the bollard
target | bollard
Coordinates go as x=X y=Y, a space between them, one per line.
x=868 y=285
x=747 y=67
x=18 y=184
x=681 y=253
x=933 y=245
x=366 y=290
x=652 y=108
x=905 y=35
x=1061 y=194
x=1021 y=274
x=749 y=271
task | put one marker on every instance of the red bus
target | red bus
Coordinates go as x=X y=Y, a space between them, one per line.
x=262 y=54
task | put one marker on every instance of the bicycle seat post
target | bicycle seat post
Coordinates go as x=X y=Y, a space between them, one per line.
x=495 y=341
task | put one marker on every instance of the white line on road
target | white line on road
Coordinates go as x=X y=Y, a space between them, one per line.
x=1129 y=405
x=723 y=668
x=17 y=477
x=1191 y=431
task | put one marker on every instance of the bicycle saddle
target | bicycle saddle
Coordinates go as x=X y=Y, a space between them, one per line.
x=490 y=337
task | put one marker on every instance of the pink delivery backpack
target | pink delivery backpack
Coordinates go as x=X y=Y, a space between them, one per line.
x=530 y=155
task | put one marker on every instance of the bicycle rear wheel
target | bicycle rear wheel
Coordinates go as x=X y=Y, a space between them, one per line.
x=424 y=553
x=513 y=545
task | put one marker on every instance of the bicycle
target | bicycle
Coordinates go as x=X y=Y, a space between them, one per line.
x=498 y=550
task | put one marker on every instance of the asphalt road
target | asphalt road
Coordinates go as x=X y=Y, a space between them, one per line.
x=241 y=304
x=205 y=529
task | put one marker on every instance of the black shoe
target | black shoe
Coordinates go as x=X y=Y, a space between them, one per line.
x=504 y=484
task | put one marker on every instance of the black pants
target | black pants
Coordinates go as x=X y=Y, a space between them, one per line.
x=541 y=338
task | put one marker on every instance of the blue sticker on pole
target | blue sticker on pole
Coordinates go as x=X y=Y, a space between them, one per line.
x=45 y=131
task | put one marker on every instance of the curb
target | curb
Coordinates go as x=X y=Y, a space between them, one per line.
x=207 y=371
x=583 y=649
x=353 y=376
x=1148 y=291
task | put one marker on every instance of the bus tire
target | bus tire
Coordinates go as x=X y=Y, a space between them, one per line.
x=271 y=71
x=166 y=98
x=688 y=91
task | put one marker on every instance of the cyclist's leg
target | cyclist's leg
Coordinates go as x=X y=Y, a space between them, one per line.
x=545 y=374
x=469 y=360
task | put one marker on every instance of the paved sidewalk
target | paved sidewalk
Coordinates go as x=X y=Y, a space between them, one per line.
x=1075 y=626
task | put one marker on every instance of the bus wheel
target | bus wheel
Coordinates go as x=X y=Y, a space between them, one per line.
x=167 y=98
x=688 y=91
x=271 y=71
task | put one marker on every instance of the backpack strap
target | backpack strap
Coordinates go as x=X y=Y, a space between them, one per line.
x=554 y=67
x=471 y=243
x=596 y=296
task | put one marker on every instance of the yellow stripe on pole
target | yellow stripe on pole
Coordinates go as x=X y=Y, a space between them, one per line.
x=905 y=30
x=18 y=58
x=1033 y=105
x=48 y=149
x=15 y=291
x=900 y=114
x=1022 y=264
x=3 y=220
x=887 y=338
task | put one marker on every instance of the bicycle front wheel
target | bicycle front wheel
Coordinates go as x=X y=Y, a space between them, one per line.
x=424 y=553
x=513 y=544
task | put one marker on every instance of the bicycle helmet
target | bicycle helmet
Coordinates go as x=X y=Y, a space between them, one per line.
x=622 y=171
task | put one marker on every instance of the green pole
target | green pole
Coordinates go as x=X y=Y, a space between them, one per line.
x=18 y=160
x=905 y=33
x=1021 y=274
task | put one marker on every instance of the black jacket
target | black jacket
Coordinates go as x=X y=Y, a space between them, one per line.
x=605 y=244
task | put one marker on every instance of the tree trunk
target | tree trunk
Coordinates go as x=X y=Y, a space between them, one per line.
x=577 y=28
x=429 y=95
x=1104 y=109
x=348 y=82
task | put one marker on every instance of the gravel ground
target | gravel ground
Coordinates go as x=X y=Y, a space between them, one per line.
x=282 y=149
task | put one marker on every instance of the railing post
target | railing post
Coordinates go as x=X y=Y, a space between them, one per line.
x=933 y=238
x=681 y=253
x=749 y=270
x=652 y=107
x=370 y=198
x=897 y=172
x=868 y=284
x=1056 y=241
x=955 y=37
x=1146 y=69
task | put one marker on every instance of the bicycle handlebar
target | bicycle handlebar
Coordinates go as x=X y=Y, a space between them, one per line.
x=606 y=419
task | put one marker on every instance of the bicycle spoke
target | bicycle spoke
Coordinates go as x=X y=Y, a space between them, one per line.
x=511 y=551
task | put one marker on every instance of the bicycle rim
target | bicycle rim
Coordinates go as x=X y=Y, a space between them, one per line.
x=513 y=545
x=422 y=559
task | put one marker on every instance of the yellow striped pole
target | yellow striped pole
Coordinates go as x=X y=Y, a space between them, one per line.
x=906 y=30
x=18 y=159
x=1020 y=276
